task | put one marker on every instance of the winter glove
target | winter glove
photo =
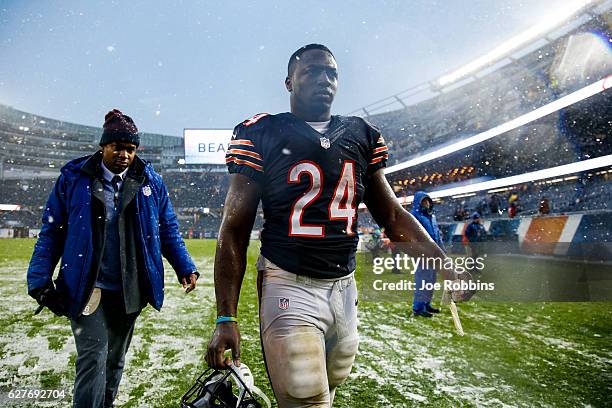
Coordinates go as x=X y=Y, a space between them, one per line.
x=50 y=298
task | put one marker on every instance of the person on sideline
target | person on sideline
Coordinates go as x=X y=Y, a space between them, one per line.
x=110 y=221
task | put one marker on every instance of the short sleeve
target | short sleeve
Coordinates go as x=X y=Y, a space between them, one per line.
x=244 y=155
x=379 y=153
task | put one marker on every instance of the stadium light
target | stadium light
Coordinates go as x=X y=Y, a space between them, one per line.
x=555 y=18
x=551 y=172
x=10 y=207
x=552 y=107
x=499 y=185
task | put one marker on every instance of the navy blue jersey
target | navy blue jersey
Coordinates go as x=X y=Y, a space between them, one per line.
x=312 y=185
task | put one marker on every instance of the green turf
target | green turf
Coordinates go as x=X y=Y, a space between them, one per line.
x=513 y=354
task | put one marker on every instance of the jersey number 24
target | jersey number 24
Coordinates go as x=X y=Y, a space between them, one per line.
x=341 y=207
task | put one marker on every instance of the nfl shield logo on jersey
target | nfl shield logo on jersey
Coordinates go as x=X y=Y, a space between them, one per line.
x=325 y=143
x=283 y=303
x=146 y=190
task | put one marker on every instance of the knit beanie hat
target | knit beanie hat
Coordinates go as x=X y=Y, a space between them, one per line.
x=119 y=127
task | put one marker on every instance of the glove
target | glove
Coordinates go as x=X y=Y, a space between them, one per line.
x=50 y=298
x=463 y=293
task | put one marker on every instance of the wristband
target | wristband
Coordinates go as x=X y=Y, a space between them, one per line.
x=224 y=319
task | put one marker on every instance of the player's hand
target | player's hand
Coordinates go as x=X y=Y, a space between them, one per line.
x=189 y=286
x=225 y=337
x=462 y=293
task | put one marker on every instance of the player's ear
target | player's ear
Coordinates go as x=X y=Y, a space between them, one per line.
x=288 y=84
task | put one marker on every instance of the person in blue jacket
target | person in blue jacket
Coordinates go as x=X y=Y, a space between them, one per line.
x=422 y=210
x=110 y=221
x=475 y=233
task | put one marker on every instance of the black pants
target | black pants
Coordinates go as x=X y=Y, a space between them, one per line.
x=102 y=339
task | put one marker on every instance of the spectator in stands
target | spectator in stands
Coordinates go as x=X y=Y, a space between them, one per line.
x=459 y=213
x=422 y=210
x=513 y=202
x=475 y=234
x=110 y=220
x=495 y=205
x=466 y=212
x=544 y=208
x=482 y=206
x=513 y=210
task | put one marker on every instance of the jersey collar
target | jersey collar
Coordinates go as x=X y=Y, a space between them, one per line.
x=336 y=126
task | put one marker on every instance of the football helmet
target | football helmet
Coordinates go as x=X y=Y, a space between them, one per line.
x=231 y=388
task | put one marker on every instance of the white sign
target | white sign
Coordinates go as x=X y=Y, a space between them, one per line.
x=206 y=146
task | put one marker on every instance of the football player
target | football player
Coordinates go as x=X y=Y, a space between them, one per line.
x=310 y=170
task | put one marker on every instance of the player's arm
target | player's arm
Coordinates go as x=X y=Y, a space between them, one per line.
x=399 y=224
x=230 y=263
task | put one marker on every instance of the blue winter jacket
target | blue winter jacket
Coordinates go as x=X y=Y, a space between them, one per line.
x=426 y=220
x=67 y=234
x=475 y=232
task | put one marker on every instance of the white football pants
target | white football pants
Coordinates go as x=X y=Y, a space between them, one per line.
x=309 y=334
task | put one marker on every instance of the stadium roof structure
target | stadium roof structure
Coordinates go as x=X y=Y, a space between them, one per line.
x=556 y=18
x=562 y=23
x=554 y=106
x=551 y=28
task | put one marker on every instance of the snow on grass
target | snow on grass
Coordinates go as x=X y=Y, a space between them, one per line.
x=35 y=351
x=504 y=359
x=573 y=347
x=513 y=354
x=39 y=352
x=407 y=359
x=165 y=344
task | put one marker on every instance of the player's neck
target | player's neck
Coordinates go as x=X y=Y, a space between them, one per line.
x=311 y=116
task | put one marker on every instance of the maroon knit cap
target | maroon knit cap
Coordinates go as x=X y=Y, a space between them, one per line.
x=119 y=128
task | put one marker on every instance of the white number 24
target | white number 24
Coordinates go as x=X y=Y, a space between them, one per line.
x=341 y=207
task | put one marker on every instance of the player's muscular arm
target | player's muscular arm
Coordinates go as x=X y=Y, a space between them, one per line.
x=230 y=263
x=230 y=258
x=399 y=224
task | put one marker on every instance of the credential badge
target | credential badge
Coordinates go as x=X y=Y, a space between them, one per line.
x=325 y=143
x=146 y=190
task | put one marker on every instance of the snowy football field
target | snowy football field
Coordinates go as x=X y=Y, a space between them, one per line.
x=513 y=354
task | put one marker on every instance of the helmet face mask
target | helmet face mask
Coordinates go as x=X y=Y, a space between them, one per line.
x=222 y=389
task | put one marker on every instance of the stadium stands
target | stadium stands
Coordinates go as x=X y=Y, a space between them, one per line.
x=197 y=189
x=581 y=194
x=580 y=131
x=30 y=145
x=515 y=89
x=33 y=148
